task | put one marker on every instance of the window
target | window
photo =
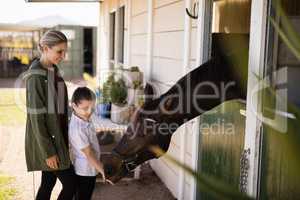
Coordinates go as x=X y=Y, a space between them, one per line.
x=112 y=35
x=121 y=34
x=282 y=66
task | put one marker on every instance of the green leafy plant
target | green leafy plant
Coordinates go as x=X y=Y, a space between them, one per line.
x=105 y=95
x=141 y=101
x=137 y=84
x=106 y=89
x=134 y=69
x=118 y=92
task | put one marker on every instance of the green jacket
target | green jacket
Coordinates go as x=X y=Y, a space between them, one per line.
x=47 y=118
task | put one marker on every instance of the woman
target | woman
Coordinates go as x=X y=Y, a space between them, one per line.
x=46 y=140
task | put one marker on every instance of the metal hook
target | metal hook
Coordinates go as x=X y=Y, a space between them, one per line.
x=194 y=15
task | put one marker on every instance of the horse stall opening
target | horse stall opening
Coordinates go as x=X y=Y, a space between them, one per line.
x=222 y=130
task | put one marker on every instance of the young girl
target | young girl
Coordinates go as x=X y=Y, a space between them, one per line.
x=46 y=139
x=84 y=144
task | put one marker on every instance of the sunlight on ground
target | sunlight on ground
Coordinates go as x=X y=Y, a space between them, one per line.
x=12 y=107
x=11 y=114
x=6 y=190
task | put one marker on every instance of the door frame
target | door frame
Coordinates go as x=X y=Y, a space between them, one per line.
x=256 y=68
x=203 y=55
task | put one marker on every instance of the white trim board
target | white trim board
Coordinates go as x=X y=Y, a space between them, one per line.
x=258 y=26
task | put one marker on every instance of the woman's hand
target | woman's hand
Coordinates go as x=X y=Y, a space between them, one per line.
x=53 y=162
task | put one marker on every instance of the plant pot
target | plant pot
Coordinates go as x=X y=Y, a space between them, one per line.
x=103 y=110
x=133 y=96
x=120 y=114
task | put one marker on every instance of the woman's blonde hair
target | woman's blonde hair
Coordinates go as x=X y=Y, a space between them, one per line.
x=51 y=38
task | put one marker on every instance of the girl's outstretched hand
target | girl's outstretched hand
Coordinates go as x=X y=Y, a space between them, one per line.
x=103 y=175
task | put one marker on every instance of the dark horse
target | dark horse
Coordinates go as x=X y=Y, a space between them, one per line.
x=220 y=79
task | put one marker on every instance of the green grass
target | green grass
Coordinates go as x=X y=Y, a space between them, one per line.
x=11 y=114
x=12 y=110
x=6 y=190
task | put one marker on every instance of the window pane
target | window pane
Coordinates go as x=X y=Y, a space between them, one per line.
x=231 y=16
x=112 y=35
x=121 y=34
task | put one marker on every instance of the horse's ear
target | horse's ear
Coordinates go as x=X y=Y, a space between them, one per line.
x=149 y=92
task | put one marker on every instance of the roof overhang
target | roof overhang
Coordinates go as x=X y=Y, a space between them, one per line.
x=64 y=1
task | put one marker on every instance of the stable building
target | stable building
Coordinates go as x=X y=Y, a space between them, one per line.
x=166 y=43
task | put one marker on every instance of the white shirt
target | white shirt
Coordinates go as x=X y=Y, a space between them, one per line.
x=81 y=135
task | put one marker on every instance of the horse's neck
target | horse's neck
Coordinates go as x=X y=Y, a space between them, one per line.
x=201 y=90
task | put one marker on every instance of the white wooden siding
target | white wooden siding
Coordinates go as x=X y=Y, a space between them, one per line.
x=161 y=3
x=169 y=18
x=138 y=44
x=139 y=24
x=164 y=42
x=166 y=70
x=139 y=7
x=139 y=60
x=193 y=44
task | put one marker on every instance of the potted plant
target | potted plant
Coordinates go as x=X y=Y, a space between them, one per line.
x=120 y=111
x=104 y=99
x=118 y=92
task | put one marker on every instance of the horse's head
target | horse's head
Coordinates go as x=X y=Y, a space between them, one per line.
x=143 y=132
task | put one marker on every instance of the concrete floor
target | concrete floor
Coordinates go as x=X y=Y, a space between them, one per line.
x=148 y=187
